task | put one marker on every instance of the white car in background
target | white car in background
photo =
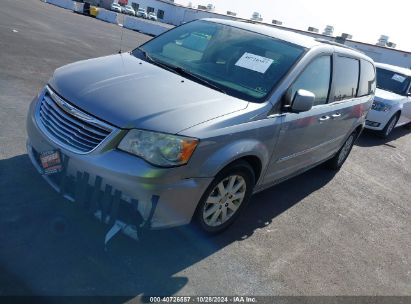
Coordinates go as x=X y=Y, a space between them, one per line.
x=392 y=101
x=116 y=7
x=152 y=16
x=128 y=9
x=141 y=12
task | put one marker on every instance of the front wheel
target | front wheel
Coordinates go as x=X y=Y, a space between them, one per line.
x=389 y=126
x=225 y=198
x=338 y=160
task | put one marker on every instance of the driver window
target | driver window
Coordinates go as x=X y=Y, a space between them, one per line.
x=316 y=79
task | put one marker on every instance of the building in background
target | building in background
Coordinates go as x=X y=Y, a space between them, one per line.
x=329 y=30
x=383 y=40
x=256 y=16
x=313 y=30
x=210 y=7
x=391 y=44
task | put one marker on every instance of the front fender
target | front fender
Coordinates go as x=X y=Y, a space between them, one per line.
x=233 y=151
x=226 y=139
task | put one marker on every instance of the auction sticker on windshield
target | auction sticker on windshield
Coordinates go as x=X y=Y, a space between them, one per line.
x=398 y=78
x=254 y=62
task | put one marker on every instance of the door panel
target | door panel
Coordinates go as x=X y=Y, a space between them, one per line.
x=304 y=140
x=345 y=115
x=352 y=95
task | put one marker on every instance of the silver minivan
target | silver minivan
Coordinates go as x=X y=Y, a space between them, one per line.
x=192 y=123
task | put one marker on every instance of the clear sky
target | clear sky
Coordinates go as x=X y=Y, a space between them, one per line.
x=366 y=20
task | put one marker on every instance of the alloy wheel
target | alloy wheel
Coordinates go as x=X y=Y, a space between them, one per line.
x=224 y=200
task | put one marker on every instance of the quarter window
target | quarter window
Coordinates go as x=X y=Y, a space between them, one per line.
x=367 y=79
x=316 y=79
x=346 y=78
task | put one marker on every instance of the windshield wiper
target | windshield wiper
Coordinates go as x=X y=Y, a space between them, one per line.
x=184 y=72
x=156 y=62
x=181 y=71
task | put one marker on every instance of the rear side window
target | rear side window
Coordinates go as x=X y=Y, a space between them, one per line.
x=316 y=79
x=367 y=79
x=346 y=78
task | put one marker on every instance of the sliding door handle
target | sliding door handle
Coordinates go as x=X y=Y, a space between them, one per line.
x=324 y=118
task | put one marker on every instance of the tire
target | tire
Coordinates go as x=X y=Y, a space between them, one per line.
x=214 y=204
x=385 y=133
x=339 y=159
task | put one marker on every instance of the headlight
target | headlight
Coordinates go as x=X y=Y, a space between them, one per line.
x=159 y=149
x=380 y=106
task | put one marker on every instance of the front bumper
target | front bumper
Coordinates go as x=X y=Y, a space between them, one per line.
x=132 y=177
x=377 y=120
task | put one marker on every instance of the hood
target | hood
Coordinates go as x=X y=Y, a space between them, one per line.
x=387 y=96
x=130 y=93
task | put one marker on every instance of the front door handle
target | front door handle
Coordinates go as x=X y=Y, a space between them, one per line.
x=324 y=118
x=336 y=115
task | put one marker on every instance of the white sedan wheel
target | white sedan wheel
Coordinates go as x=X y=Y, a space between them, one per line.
x=391 y=126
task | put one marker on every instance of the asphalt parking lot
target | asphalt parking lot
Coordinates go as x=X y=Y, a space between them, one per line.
x=318 y=234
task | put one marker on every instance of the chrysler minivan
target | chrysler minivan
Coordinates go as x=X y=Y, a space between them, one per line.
x=189 y=125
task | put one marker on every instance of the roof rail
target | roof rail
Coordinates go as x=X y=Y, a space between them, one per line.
x=337 y=44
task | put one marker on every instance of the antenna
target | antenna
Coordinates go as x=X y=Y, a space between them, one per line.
x=122 y=32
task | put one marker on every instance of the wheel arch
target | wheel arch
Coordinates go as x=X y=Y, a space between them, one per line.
x=253 y=161
x=255 y=153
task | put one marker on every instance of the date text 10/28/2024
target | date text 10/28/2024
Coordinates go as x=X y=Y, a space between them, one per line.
x=203 y=299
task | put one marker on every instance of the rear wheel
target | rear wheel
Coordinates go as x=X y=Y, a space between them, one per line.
x=225 y=198
x=338 y=160
x=385 y=133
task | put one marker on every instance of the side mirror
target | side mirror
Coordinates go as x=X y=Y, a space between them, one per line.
x=303 y=101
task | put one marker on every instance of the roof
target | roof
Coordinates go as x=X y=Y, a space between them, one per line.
x=283 y=27
x=394 y=68
x=304 y=41
x=294 y=38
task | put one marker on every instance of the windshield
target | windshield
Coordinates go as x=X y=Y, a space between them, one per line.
x=241 y=63
x=392 y=81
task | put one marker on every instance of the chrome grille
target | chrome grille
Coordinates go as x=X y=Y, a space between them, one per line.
x=69 y=126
